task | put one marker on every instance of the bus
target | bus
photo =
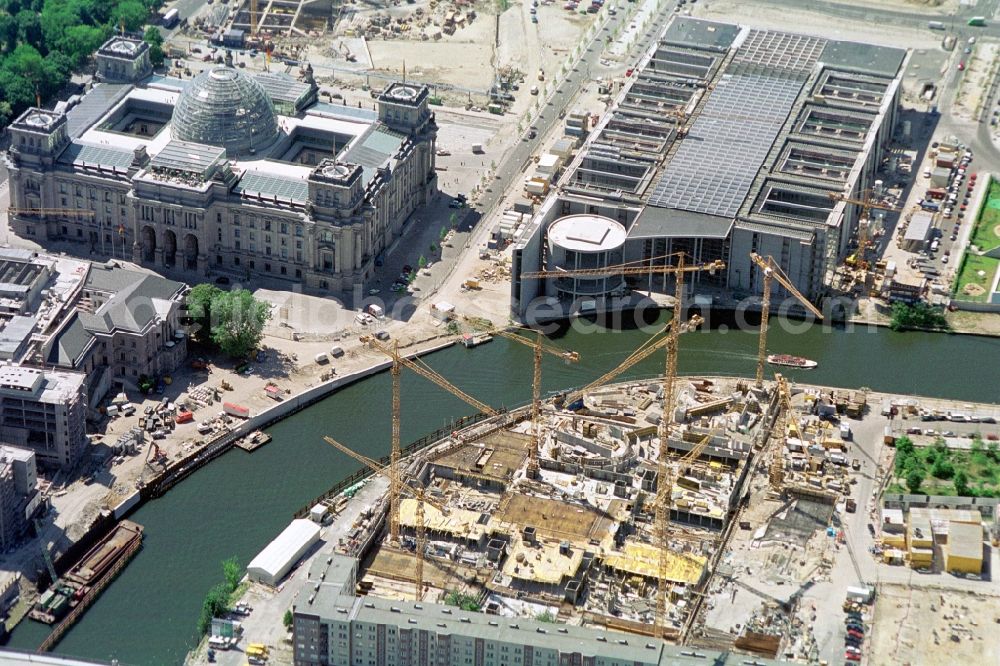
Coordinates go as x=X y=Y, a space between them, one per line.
x=171 y=18
x=977 y=21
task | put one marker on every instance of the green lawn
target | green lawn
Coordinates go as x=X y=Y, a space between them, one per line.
x=971 y=267
x=984 y=236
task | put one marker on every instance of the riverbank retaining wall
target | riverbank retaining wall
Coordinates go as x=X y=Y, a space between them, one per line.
x=197 y=459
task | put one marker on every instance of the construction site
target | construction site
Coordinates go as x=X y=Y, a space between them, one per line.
x=608 y=506
x=358 y=45
x=562 y=520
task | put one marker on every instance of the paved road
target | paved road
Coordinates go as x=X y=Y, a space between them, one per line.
x=860 y=13
x=513 y=164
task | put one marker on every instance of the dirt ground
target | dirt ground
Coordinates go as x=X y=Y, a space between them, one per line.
x=980 y=70
x=932 y=628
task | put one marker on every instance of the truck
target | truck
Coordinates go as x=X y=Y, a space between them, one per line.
x=477 y=148
x=935 y=25
x=171 y=18
x=851 y=505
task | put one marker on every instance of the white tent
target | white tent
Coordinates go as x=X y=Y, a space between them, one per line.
x=272 y=563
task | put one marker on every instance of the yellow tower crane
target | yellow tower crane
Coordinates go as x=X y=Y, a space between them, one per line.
x=665 y=481
x=776 y=471
x=868 y=202
x=772 y=271
x=413 y=487
x=679 y=269
x=632 y=268
x=422 y=369
x=538 y=346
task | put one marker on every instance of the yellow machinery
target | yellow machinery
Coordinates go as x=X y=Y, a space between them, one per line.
x=632 y=268
x=858 y=260
x=426 y=372
x=773 y=272
x=413 y=487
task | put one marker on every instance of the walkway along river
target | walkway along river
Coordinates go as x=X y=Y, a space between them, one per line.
x=236 y=504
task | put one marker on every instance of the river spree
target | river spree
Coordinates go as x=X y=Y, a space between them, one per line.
x=236 y=504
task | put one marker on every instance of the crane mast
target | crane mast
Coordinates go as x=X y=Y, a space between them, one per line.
x=772 y=271
x=419 y=493
x=538 y=346
x=394 y=455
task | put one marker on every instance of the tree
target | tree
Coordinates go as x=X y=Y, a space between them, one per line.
x=238 y=321
x=199 y=308
x=913 y=480
x=942 y=468
x=8 y=32
x=130 y=13
x=233 y=572
x=153 y=37
x=993 y=451
x=916 y=316
x=546 y=616
x=466 y=602
x=80 y=41
x=215 y=604
x=29 y=28
x=288 y=619
x=422 y=261
x=962 y=484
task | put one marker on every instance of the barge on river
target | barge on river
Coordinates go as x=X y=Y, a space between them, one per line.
x=70 y=595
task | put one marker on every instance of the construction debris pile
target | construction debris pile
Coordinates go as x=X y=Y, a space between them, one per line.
x=438 y=19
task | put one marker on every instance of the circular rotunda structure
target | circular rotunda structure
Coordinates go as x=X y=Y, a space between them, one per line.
x=582 y=242
x=224 y=107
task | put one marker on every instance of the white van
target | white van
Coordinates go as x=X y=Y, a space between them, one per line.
x=322 y=358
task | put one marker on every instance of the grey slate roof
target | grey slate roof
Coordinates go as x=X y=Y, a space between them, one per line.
x=70 y=343
x=131 y=308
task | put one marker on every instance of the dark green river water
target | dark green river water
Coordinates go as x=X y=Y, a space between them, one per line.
x=236 y=504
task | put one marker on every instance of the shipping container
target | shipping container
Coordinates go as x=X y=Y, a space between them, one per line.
x=236 y=410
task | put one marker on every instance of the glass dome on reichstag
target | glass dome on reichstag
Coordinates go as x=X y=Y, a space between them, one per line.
x=224 y=107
